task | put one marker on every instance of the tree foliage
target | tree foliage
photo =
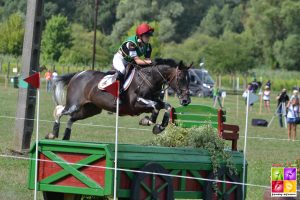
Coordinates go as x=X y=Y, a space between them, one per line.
x=12 y=34
x=11 y=6
x=287 y=52
x=56 y=38
x=231 y=54
x=232 y=35
x=81 y=51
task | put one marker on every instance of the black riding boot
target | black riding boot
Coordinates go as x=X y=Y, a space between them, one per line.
x=121 y=80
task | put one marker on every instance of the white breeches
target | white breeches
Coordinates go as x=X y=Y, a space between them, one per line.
x=119 y=63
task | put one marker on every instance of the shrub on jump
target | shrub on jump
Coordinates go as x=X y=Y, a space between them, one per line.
x=204 y=137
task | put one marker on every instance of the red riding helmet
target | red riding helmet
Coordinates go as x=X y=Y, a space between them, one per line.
x=144 y=28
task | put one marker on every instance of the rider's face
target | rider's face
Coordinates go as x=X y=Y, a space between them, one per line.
x=146 y=38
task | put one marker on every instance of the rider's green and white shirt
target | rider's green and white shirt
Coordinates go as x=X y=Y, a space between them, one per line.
x=131 y=48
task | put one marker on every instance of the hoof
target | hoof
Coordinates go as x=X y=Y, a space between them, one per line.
x=145 y=121
x=50 y=136
x=157 y=129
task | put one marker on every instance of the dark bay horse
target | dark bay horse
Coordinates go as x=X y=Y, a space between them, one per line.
x=84 y=99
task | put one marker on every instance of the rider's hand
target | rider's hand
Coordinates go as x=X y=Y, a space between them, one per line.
x=148 y=61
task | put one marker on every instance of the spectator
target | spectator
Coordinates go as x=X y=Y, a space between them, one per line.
x=245 y=94
x=266 y=98
x=292 y=115
x=48 y=76
x=282 y=100
x=54 y=75
x=255 y=85
x=295 y=94
x=269 y=84
x=216 y=96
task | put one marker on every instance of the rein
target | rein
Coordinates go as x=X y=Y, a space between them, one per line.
x=165 y=80
x=142 y=75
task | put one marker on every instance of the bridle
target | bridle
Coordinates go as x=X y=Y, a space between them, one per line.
x=180 y=91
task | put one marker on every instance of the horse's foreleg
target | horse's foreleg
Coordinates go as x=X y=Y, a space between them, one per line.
x=158 y=128
x=154 y=116
x=147 y=121
x=166 y=117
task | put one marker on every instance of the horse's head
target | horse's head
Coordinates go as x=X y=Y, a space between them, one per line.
x=179 y=82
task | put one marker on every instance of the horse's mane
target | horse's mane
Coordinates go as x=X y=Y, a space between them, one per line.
x=162 y=61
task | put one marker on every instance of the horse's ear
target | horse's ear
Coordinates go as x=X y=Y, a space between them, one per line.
x=181 y=65
x=190 y=65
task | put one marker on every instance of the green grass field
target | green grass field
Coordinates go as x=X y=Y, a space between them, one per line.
x=261 y=153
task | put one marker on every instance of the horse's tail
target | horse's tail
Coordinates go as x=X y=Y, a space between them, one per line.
x=59 y=84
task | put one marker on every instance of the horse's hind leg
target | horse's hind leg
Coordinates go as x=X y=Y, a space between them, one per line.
x=57 y=114
x=86 y=111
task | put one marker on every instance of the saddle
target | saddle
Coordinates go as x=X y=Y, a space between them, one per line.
x=111 y=77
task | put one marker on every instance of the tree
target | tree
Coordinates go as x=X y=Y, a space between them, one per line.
x=267 y=25
x=11 y=35
x=81 y=51
x=212 y=23
x=177 y=19
x=56 y=38
x=12 y=6
x=191 y=50
x=50 y=9
x=188 y=21
x=107 y=15
x=231 y=54
x=63 y=7
x=290 y=16
x=232 y=18
x=218 y=20
x=287 y=52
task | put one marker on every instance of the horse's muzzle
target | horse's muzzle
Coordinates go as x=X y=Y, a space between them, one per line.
x=185 y=101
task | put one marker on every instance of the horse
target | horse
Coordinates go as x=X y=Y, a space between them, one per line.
x=84 y=99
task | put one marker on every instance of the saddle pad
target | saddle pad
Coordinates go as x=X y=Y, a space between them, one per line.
x=106 y=81
x=111 y=78
x=129 y=80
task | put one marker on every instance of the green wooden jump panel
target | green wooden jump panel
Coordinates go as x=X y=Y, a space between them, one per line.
x=195 y=115
x=64 y=167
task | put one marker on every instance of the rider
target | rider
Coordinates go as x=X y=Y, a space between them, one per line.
x=132 y=50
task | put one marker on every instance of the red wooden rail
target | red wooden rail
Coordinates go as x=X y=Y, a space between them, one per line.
x=228 y=131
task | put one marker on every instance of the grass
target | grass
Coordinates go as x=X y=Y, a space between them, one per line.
x=261 y=153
